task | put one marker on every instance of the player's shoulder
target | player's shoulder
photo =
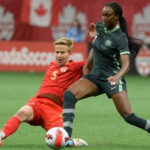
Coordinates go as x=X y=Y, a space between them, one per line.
x=120 y=36
x=75 y=64
x=119 y=33
x=72 y=65
x=53 y=63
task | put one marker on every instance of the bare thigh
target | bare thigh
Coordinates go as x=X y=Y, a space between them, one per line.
x=122 y=103
x=25 y=114
x=83 y=88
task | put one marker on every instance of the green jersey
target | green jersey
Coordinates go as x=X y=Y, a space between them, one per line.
x=108 y=46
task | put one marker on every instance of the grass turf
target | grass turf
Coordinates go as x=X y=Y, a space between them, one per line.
x=96 y=121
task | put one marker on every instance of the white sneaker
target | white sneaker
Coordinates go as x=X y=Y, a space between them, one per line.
x=79 y=142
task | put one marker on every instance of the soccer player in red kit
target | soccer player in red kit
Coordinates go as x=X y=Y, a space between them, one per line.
x=45 y=108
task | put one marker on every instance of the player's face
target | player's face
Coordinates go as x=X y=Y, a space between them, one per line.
x=109 y=18
x=61 y=54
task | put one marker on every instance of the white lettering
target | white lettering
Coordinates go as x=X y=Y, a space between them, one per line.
x=25 y=57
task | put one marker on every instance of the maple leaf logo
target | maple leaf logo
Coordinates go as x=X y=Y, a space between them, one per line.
x=141 y=24
x=40 y=11
x=66 y=18
x=140 y=28
x=6 y=24
x=143 y=61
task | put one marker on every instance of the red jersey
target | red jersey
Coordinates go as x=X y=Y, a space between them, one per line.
x=58 y=79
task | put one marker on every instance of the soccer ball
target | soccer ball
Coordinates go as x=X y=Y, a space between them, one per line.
x=56 y=138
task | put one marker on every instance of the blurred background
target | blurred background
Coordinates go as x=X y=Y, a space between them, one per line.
x=28 y=29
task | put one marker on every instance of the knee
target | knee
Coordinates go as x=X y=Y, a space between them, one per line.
x=77 y=92
x=23 y=114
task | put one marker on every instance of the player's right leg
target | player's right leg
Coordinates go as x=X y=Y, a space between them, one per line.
x=51 y=114
x=76 y=142
x=25 y=114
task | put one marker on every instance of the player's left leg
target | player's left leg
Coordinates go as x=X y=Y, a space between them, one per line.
x=2 y=135
x=24 y=114
x=78 y=90
x=123 y=106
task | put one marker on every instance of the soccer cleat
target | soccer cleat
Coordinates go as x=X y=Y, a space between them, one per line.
x=79 y=142
x=1 y=138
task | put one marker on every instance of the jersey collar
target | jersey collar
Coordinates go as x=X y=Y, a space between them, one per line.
x=110 y=31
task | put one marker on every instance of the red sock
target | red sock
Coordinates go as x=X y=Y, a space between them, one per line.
x=11 y=126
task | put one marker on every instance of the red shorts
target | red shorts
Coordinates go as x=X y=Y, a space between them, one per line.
x=47 y=113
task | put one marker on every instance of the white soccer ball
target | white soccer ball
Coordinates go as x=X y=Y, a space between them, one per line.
x=57 y=138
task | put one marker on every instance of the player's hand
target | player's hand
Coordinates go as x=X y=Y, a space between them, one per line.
x=92 y=30
x=113 y=80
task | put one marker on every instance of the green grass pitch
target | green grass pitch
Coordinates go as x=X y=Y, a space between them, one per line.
x=96 y=121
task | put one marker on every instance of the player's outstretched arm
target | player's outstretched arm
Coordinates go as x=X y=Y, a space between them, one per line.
x=88 y=65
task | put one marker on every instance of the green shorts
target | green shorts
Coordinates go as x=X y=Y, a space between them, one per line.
x=105 y=87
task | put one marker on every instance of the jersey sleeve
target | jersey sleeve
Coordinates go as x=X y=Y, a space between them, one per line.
x=123 y=46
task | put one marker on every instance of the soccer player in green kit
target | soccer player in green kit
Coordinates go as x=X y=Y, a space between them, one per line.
x=110 y=56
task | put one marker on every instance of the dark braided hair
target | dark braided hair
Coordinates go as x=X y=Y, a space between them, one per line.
x=135 y=45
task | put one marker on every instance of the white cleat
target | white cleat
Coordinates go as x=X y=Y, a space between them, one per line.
x=1 y=138
x=79 y=142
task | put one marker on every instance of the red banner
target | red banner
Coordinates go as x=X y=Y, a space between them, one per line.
x=48 y=20
x=33 y=56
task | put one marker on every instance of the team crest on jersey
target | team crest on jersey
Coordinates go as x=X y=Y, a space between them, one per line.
x=107 y=42
x=63 y=69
